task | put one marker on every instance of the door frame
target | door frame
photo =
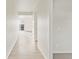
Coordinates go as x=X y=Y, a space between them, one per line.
x=51 y=4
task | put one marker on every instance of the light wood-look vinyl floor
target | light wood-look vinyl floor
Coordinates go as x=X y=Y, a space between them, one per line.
x=25 y=48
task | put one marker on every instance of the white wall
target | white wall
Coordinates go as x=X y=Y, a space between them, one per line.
x=60 y=20
x=26 y=5
x=43 y=27
x=62 y=26
x=11 y=26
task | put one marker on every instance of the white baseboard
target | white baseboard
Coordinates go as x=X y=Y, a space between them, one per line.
x=42 y=52
x=11 y=49
x=62 y=51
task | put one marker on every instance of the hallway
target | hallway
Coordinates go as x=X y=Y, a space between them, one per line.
x=25 y=48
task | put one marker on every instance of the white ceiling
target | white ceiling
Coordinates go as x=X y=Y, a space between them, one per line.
x=26 y=5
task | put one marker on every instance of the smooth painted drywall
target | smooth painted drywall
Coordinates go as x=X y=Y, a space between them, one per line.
x=43 y=27
x=11 y=25
x=26 y=5
x=62 y=26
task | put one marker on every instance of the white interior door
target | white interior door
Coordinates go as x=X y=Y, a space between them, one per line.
x=29 y=27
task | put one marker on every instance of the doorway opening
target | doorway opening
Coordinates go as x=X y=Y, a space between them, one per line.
x=26 y=25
